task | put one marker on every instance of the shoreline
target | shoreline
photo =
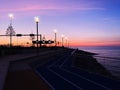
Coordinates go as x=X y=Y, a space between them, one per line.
x=85 y=60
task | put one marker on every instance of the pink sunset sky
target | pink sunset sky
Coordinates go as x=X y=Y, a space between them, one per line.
x=84 y=22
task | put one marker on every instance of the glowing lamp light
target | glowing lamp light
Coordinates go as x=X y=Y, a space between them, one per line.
x=11 y=15
x=37 y=19
x=55 y=30
x=62 y=36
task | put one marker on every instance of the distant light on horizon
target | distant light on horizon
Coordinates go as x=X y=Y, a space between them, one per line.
x=62 y=35
x=55 y=30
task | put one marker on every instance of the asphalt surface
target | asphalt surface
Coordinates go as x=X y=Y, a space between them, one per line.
x=60 y=74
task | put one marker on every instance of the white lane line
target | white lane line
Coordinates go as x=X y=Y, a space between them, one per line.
x=66 y=79
x=44 y=79
x=57 y=60
x=67 y=56
x=66 y=59
x=87 y=79
x=73 y=51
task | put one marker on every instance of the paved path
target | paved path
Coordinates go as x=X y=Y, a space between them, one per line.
x=4 y=64
x=59 y=74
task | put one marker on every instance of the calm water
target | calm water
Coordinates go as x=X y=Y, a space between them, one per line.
x=109 y=56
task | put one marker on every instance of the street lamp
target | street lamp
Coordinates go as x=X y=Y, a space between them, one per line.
x=55 y=31
x=11 y=16
x=62 y=40
x=10 y=30
x=37 y=21
x=66 y=38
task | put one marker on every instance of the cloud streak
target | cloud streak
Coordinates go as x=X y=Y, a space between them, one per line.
x=34 y=8
x=43 y=5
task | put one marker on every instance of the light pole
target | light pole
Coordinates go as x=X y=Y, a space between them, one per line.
x=66 y=38
x=55 y=31
x=11 y=16
x=37 y=21
x=10 y=31
x=62 y=40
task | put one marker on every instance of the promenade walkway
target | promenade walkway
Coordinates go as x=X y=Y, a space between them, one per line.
x=5 y=61
x=60 y=74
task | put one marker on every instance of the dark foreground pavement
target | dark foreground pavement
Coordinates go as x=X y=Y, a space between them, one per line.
x=60 y=74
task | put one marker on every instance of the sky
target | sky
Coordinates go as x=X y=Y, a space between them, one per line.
x=84 y=22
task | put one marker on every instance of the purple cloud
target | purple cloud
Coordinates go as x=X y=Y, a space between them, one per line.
x=23 y=6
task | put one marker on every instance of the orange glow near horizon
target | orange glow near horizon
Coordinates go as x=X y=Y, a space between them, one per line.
x=72 y=42
x=21 y=41
x=15 y=41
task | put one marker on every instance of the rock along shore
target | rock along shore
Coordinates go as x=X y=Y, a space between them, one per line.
x=85 y=60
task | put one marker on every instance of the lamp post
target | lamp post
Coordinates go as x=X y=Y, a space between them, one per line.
x=62 y=40
x=55 y=31
x=10 y=31
x=11 y=16
x=66 y=38
x=37 y=21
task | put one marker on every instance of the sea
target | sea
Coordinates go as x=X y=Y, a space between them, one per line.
x=108 y=56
